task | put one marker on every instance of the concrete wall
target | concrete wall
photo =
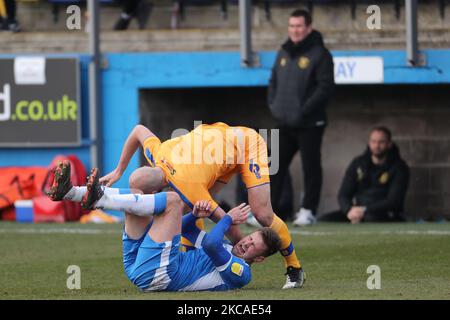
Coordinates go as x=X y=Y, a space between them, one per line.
x=419 y=117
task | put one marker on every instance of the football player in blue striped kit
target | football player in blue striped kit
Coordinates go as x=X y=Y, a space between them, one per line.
x=151 y=238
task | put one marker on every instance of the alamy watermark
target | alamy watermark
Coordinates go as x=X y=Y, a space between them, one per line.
x=73 y=21
x=374 y=280
x=374 y=20
x=74 y=280
x=221 y=144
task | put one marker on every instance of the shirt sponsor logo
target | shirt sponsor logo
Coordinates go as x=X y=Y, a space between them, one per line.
x=237 y=269
x=168 y=166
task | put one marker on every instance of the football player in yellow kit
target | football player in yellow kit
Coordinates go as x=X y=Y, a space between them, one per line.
x=198 y=164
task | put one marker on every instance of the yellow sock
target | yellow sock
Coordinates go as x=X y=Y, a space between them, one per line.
x=200 y=223
x=287 y=248
x=185 y=243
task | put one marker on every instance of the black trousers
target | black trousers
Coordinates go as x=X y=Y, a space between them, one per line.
x=129 y=6
x=309 y=142
x=11 y=10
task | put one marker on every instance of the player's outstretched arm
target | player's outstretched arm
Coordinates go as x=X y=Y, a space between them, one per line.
x=136 y=138
x=234 y=234
x=213 y=241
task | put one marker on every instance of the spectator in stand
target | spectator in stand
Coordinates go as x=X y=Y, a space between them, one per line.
x=139 y=9
x=9 y=21
x=375 y=183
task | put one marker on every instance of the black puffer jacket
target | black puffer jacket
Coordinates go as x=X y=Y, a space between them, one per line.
x=302 y=82
x=380 y=188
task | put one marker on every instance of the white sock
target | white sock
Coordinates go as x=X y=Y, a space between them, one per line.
x=138 y=204
x=76 y=193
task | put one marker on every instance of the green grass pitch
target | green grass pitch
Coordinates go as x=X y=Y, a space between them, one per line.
x=414 y=260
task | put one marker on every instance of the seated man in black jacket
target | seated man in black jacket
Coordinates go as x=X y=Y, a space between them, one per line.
x=374 y=186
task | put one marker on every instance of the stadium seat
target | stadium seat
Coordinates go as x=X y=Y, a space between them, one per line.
x=178 y=12
x=442 y=4
x=253 y=2
x=311 y=3
x=268 y=5
x=396 y=3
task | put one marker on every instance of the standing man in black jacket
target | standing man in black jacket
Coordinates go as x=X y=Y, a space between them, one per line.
x=301 y=84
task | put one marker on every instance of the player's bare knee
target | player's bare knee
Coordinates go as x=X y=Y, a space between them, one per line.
x=133 y=181
x=174 y=201
x=137 y=179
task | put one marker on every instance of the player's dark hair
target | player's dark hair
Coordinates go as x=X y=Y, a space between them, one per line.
x=271 y=240
x=383 y=129
x=302 y=13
